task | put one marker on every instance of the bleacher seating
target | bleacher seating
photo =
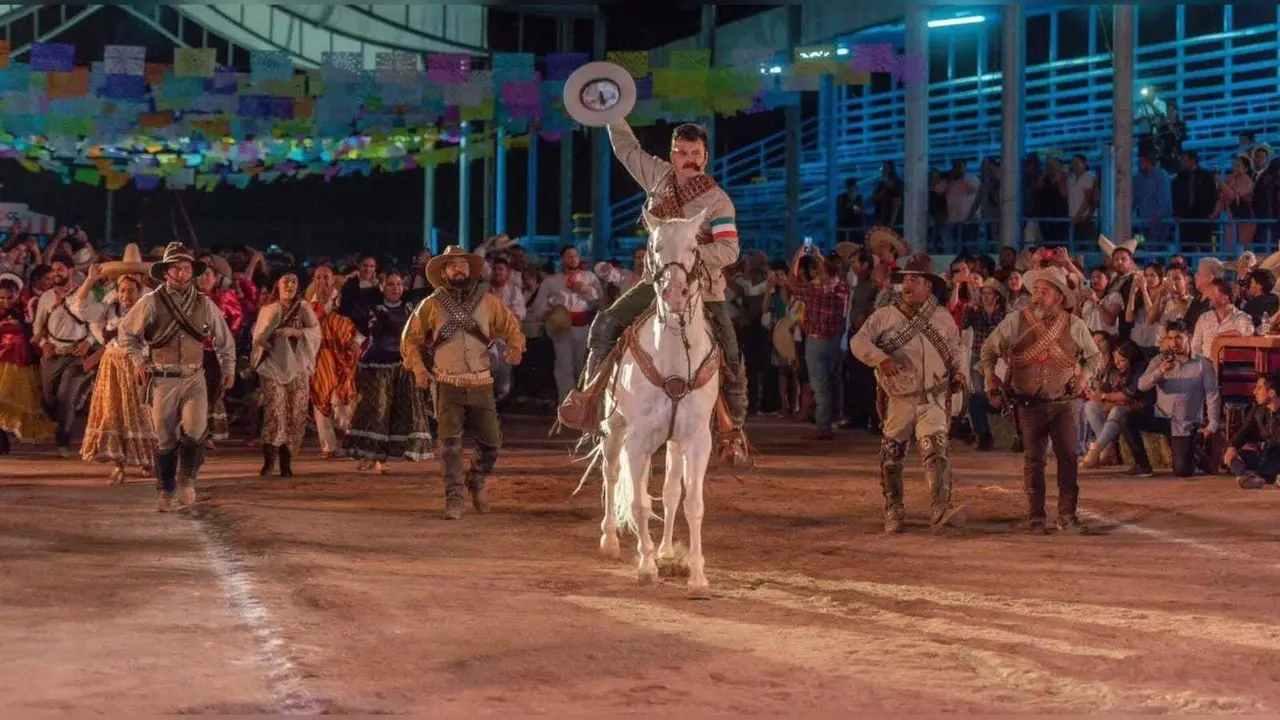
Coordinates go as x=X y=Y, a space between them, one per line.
x=1068 y=110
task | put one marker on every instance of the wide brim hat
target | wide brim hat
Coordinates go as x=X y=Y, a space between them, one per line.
x=921 y=265
x=1001 y=289
x=83 y=257
x=1109 y=247
x=1055 y=277
x=879 y=238
x=13 y=277
x=599 y=93
x=435 y=266
x=283 y=270
x=847 y=249
x=130 y=264
x=175 y=252
x=219 y=265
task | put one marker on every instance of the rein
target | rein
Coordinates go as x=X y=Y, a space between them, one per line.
x=676 y=387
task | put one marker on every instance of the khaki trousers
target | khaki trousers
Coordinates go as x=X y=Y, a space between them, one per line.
x=179 y=407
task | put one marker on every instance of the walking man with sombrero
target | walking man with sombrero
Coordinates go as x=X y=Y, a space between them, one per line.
x=1050 y=356
x=445 y=346
x=914 y=346
x=172 y=324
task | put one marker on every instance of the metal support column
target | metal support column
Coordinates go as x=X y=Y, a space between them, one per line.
x=500 y=182
x=1122 y=120
x=916 y=171
x=531 y=189
x=602 y=164
x=566 y=153
x=111 y=216
x=490 y=187
x=707 y=41
x=828 y=104
x=1013 y=52
x=464 y=190
x=429 y=207
x=795 y=15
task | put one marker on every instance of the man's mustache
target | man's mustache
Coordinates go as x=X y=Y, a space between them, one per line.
x=693 y=166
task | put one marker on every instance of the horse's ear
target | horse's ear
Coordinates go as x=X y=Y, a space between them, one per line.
x=650 y=221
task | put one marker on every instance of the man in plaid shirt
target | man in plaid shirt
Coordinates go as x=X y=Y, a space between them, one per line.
x=982 y=318
x=826 y=299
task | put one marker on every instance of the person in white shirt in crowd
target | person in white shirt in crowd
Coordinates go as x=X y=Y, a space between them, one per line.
x=66 y=340
x=1223 y=319
x=1120 y=258
x=511 y=295
x=1091 y=310
x=1082 y=198
x=961 y=192
x=578 y=291
x=1152 y=305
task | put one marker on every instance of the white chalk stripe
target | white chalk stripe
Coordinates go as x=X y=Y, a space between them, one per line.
x=284 y=681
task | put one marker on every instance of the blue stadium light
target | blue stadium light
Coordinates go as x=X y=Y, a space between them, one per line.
x=842 y=51
x=952 y=22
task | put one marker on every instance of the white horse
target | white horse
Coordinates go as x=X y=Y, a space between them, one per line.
x=663 y=392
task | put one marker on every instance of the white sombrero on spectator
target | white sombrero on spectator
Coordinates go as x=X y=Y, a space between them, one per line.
x=880 y=237
x=1109 y=247
x=599 y=93
x=13 y=278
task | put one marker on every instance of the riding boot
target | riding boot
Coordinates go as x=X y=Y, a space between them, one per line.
x=581 y=408
x=892 y=454
x=190 y=458
x=268 y=460
x=166 y=480
x=481 y=465
x=4 y=443
x=937 y=472
x=451 y=464
x=286 y=465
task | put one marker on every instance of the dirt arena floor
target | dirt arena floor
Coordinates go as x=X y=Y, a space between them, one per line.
x=342 y=592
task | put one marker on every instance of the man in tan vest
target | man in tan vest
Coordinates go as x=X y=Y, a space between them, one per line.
x=445 y=346
x=1051 y=357
x=164 y=334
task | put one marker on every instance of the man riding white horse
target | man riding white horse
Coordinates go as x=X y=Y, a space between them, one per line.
x=679 y=188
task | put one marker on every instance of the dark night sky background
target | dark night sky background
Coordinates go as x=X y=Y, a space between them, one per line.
x=385 y=210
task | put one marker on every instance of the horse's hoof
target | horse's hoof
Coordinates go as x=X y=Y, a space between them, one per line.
x=609 y=547
x=699 y=592
x=648 y=578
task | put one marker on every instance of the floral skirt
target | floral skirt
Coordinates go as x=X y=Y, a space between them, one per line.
x=284 y=411
x=21 y=409
x=391 y=418
x=119 y=425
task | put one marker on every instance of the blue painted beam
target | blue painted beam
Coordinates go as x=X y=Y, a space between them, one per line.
x=500 y=189
x=531 y=188
x=429 y=208
x=602 y=159
x=464 y=190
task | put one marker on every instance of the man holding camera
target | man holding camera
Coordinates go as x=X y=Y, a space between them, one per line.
x=1185 y=384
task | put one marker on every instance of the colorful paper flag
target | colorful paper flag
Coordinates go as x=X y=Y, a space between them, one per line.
x=124 y=60
x=270 y=65
x=448 y=68
x=53 y=57
x=561 y=65
x=876 y=58
x=910 y=69
x=194 y=62
x=690 y=60
x=636 y=63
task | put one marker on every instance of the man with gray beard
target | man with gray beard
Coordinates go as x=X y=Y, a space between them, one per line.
x=1050 y=356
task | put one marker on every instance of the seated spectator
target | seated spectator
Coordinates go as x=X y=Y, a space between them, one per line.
x=1223 y=319
x=1259 y=301
x=1111 y=398
x=1186 y=385
x=1254 y=454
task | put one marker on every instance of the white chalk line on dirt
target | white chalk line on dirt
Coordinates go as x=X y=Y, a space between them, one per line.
x=919 y=665
x=1165 y=535
x=283 y=679
x=1217 y=630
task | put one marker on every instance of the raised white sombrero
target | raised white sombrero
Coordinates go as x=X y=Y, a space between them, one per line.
x=599 y=93
x=130 y=264
x=1109 y=247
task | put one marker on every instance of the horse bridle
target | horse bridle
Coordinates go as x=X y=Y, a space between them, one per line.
x=696 y=273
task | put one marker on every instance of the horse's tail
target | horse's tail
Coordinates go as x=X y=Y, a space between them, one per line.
x=624 y=498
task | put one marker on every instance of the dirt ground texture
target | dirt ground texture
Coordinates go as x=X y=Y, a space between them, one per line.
x=338 y=591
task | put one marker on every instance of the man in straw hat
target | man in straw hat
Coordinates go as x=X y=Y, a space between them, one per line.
x=678 y=188
x=914 y=347
x=172 y=323
x=1050 y=356
x=445 y=347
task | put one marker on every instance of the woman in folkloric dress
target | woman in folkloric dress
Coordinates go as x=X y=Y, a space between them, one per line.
x=21 y=410
x=119 y=430
x=333 y=385
x=391 y=416
x=216 y=282
x=286 y=338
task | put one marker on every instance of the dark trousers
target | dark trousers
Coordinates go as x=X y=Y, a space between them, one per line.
x=1181 y=447
x=860 y=395
x=756 y=354
x=1039 y=423
x=64 y=383
x=1264 y=463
